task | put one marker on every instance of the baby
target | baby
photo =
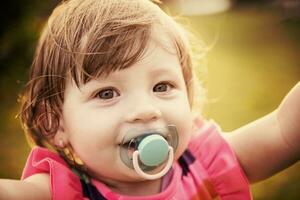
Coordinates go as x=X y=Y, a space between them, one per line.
x=109 y=110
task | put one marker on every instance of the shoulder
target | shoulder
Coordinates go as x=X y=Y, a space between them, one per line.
x=46 y=166
x=218 y=162
x=42 y=160
x=206 y=137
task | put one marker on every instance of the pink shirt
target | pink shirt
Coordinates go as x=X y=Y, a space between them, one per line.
x=207 y=169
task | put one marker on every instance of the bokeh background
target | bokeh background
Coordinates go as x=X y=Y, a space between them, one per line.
x=254 y=60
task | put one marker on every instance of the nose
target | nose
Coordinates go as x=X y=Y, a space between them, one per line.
x=143 y=111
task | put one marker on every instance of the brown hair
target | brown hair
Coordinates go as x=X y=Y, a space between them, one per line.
x=87 y=38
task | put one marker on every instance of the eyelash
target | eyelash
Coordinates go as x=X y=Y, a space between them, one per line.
x=168 y=84
x=117 y=93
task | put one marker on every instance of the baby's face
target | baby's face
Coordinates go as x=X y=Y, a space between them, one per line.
x=150 y=94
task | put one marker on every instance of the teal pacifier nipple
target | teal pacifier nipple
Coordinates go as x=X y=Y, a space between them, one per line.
x=149 y=151
x=153 y=150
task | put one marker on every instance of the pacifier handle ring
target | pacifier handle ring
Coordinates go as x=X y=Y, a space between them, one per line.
x=152 y=176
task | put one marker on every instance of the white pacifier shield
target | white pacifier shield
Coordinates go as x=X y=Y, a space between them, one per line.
x=149 y=152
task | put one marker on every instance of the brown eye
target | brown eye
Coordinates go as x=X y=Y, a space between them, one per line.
x=107 y=94
x=162 y=87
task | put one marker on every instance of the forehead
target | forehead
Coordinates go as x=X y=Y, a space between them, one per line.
x=159 y=45
x=157 y=64
x=164 y=39
x=158 y=59
x=141 y=49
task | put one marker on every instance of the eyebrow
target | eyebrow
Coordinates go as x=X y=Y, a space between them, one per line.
x=152 y=73
x=164 y=70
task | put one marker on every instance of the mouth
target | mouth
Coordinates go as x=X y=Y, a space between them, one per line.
x=133 y=138
x=132 y=143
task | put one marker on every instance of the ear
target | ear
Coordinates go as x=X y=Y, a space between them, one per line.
x=61 y=141
x=198 y=122
x=61 y=137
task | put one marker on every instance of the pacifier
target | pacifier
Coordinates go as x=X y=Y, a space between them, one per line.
x=146 y=151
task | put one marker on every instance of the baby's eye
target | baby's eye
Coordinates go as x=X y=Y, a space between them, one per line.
x=107 y=93
x=162 y=87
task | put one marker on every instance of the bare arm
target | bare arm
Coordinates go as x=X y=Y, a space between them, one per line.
x=272 y=143
x=34 y=187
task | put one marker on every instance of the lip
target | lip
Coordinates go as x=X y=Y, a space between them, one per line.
x=136 y=133
x=132 y=141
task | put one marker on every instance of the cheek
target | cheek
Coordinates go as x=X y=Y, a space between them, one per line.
x=183 y=120
x=87 y=120
x=87 y=130
x=184 y=133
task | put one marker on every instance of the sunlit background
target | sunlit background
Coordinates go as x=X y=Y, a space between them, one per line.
x=253 y=62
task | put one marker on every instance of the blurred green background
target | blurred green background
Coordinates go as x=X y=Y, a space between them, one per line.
x=254 y=61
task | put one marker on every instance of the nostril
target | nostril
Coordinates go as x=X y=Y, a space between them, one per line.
x=144 y=115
